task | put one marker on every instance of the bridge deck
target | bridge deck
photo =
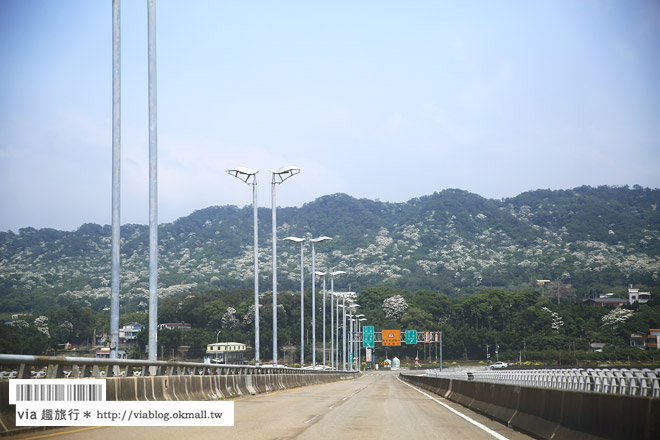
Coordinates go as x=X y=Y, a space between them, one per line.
x=376 y=406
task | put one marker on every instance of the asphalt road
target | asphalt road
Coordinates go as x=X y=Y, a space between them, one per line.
x=376 y=406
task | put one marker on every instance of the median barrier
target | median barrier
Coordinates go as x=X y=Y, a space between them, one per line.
x=503 y=402
x=538 y=412
x=7 y=411
x=462 y=392
x=185 y=387
x=552 y=413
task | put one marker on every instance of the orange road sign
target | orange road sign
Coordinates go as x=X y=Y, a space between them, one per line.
x=391 y=338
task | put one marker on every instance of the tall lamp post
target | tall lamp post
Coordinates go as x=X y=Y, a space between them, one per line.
x=153 y=185
x=250 y=177
x=302 y=299
x=323 y=274
x=332 y=330
x=279 y=176
x=359 y=318
x=116 y=177
x=351 y=307
x=315 y=240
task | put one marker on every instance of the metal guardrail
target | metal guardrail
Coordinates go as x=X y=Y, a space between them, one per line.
x=632 y=382
x=30 y=367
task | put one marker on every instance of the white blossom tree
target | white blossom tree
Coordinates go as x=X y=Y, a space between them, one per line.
x=249 y=315
x=41 y=323
x=394 y=307
x=616 y=317
x=229 y=319
x=557 y=321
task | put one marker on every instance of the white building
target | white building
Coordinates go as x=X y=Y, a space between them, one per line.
x=226 y=352
x=129 y=332
x=635 y=295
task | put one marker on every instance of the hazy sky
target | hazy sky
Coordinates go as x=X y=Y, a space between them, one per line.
x=386 y=100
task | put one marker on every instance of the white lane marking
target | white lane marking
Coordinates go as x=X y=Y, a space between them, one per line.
x=460 y=414
x=344 y=398
x=311 y=419
x=330 y=407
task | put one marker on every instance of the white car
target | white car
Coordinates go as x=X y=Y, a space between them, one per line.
x=498 y=365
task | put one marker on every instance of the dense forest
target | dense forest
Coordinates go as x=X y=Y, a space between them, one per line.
x=524 y=324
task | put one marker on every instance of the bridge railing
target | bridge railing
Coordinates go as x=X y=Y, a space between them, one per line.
x=28 y=367
x=632 y=382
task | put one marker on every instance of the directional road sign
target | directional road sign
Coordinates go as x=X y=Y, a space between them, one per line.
x=368 y=336
x=411 y=337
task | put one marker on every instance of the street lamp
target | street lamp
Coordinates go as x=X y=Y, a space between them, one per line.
x=357 y=344
x=351 y=306
x=332 y=330
x=250 y=177
x=302 y=300
x=323 y=274
x=315 y=240
x=279 y=176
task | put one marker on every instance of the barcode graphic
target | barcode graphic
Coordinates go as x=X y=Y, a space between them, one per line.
x=59 y=392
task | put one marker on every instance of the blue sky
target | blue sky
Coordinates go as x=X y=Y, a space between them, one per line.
x=386 y=100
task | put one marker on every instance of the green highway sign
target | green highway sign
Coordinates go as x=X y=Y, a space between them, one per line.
x=368 y=336
x=411 y=337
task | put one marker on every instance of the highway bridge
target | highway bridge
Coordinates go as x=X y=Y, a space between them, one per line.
x=286 y=403
x=378 y=405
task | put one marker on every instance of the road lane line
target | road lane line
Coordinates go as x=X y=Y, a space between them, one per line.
x=308 y=421
x=460 y=414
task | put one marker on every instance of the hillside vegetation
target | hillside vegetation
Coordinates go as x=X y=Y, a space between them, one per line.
x=596 y=239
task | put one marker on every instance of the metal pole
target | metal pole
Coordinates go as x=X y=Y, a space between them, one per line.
x=116 y=180
x=332 y=322
x=313 y=309
x=343 y=345
x=274 y=276
x=440 y=351
x=324 y=322
x=350 y=345
x=256 y=272
x=302 y=308
x=153 y=188
x=337 y=335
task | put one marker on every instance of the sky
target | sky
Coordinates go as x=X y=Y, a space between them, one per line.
x=384 y=100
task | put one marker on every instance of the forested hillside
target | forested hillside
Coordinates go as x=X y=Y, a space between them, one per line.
x=595 y=239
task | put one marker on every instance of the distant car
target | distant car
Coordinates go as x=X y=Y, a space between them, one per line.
x=498 y=365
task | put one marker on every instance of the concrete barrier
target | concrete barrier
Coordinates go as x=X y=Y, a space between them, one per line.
x=184 y=387
x=550 y=413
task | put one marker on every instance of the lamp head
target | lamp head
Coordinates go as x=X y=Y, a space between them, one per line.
x=244 y=174
x=296 y=239
x=282 y=174
x=320 y=239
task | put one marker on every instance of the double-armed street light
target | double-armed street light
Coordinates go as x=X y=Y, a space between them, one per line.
x=332 y=330
x=358 y=319
x=361 y=320
x=302 y=299
x=315 y=240
x=279 y=176
x=250 y=177
x=351 y=306
x=323 y=274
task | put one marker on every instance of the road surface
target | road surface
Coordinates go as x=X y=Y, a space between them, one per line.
x=376 y=406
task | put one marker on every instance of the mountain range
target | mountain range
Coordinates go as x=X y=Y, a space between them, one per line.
x=590 y=239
